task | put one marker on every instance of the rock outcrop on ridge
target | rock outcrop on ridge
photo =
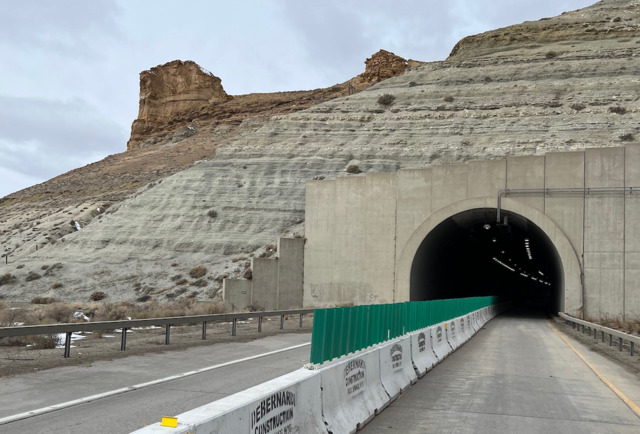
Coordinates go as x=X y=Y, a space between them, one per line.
x=546 y=89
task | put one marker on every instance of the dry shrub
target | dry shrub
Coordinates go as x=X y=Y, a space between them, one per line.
x=386 y=99
x=59 y=312
x=7 y=279
x=43 y=300
x=97 y=296
x=248 y=274
x=198 y=272
x=212 y=213
x=448 y=98
x=32 y=276
x=617 y=110
x=57 y=285
x=181 y=281
x=354 y=169
x=200 y=283
x=40 y=342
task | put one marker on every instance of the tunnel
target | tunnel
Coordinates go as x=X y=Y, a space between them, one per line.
x=469 y=254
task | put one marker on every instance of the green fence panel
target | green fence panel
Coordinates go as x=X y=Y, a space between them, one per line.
x=344 y=330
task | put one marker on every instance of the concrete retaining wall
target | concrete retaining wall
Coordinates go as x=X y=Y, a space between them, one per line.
x=276 y=282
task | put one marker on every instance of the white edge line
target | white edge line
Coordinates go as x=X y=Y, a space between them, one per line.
x=50 y=408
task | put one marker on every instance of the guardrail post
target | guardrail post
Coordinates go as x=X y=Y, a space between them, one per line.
x=602 y=335
x=167 y=335
x=204 y=330
x=260 y=324
x=631 y=348
x=620 y=343
x=233 y=327
x=123 y=339
x=610 y=339
x=595 y=334
x=281 y=322
x=573 y=324
x=300 y=321
x=67 y=345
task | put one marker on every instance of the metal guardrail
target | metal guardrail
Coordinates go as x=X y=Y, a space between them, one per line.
x=594 y=328
x=125 y=325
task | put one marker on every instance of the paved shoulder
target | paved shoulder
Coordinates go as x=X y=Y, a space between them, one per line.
x=515 y=375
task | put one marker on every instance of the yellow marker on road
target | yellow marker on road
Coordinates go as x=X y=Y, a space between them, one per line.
x=171 y=422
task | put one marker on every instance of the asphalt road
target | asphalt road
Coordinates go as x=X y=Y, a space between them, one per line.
x=515 y=376
x=131 y=410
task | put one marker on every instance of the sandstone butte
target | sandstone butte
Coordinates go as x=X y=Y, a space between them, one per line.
x=212 y=179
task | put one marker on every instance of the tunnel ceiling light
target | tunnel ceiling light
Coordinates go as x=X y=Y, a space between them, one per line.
x=494 y=240
x=487 y=226
x=503 y=264
x=541 y=273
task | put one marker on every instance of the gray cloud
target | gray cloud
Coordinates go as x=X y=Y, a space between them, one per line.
x=41 y=139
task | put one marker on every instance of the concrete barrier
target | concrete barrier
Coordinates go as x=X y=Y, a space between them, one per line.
x=422 y=352
x=352 y=392
x=396 y=367
x=461 y=325
x=290 y=403
x=453 y=334
x=441 y=346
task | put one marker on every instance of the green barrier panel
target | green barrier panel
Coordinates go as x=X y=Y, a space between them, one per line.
x=343 y=330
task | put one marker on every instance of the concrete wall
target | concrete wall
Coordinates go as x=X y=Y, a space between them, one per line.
x=363 y=230
x=276 y=282
x=236 y=294
x=290 y=270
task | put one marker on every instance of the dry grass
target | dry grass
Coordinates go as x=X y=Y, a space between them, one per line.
x=631 y=325
x=105 y=311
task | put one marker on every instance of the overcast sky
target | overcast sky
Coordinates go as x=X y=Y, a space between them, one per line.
x=69 y=72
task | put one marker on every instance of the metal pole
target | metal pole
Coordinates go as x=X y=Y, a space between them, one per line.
x=67 y=345
x=602 y=336
x=260 y=324
x=631 y=349
x=281 y=322
x=610 y=339
x=595 y=334
x=204 y=330
x=620 y=343
x=233 y=327
x=300 y=321
x=167 y=335
x=123 y=340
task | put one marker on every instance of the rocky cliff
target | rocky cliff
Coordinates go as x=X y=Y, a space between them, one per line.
x=493 y=97
x=173 y=92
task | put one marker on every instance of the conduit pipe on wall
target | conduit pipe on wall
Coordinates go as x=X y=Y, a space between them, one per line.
x=546 y=191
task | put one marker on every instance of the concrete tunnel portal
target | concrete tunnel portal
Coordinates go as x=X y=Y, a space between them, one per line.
x=469 y=255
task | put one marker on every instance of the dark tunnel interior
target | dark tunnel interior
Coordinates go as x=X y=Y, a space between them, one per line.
x=470 y=255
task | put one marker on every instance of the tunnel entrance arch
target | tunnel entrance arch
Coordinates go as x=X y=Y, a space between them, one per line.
x=470 y=255
x=453 y=254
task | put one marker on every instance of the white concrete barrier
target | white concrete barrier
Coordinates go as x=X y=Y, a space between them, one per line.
x=474 y=321
x=453 y=334
x=396 y=367
x=290 y=403
x=467 y=329
x=441 y=346
x=352 y=392
x=422 y=353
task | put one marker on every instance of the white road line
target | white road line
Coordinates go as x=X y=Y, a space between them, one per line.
x=84 y=400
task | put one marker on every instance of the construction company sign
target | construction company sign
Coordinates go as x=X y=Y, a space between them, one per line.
x=354 y=377
x=275 y=414
x=396 y=357
x=422 y=342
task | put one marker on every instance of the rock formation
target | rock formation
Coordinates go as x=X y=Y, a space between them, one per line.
x=173 y=92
